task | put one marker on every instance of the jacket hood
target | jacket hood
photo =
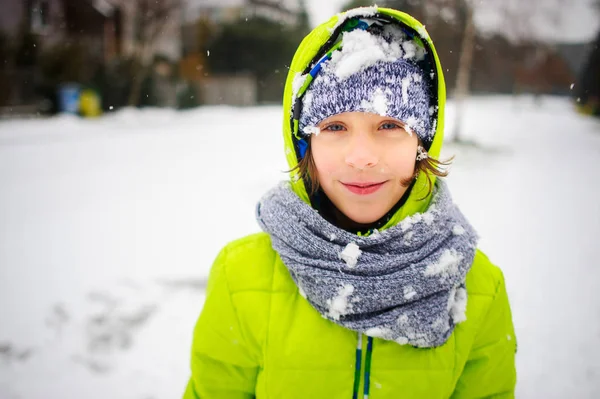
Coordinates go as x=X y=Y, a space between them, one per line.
x=318 y=43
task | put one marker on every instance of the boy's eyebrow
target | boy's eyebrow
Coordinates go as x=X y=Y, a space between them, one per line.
x=331 y=118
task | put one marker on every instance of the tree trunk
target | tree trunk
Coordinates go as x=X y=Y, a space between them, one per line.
x=139 y=75
x=461 y=91
x=136 y=86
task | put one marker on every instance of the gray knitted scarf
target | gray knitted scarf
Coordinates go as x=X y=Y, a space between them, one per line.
x=404 y=284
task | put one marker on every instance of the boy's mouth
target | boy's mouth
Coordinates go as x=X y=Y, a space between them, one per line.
x=363 y=188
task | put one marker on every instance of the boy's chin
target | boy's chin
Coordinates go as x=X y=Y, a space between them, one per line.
x=364 y=217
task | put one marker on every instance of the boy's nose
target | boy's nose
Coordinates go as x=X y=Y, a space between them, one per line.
x=361 y=153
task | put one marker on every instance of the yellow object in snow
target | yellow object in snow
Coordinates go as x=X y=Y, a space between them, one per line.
x=89 y=104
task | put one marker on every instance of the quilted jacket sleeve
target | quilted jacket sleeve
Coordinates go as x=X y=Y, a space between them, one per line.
x=490 y=369
x=223 y=366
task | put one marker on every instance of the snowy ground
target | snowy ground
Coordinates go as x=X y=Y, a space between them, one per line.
x=108 y=229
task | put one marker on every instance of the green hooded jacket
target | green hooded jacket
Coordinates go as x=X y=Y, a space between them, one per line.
x=257 y=337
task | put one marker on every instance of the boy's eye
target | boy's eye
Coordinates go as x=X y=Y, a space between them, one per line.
x=334 y=127
x=390 y=125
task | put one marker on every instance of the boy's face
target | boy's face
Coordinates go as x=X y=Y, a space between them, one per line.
x=362 y=160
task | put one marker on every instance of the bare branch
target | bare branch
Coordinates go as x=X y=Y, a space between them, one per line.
x=153 y=16
x=272 y=4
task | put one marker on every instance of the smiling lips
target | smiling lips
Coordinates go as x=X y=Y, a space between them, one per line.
x=363 y=188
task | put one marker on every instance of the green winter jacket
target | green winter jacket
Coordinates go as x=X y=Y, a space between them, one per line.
x=257 y=337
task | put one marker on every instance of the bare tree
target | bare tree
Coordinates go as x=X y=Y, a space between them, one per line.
x=151 y=18
x=463 y=75
x=276 y=5
x=517 y=18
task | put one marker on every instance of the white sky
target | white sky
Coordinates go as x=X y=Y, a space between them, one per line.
x=555 y=20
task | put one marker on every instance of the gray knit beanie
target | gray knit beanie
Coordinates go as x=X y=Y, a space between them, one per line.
x=371 y=73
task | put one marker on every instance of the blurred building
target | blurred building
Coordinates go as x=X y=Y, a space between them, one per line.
x=500 y=66
x=168 y=43
x=575 y=55
x=587 y=91
x=94 y=23
x=78 y=41
x=35 y=26
x=226 y=11
x=108 y=26
x=203 y=20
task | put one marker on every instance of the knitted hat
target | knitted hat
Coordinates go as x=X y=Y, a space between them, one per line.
x=377 y=73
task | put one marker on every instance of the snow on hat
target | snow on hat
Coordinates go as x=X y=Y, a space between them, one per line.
x=371 y=73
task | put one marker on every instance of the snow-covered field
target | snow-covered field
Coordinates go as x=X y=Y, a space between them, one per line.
x=108 y=229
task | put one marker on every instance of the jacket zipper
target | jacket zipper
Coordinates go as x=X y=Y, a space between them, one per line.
x=368 y=366
x=358 y=367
